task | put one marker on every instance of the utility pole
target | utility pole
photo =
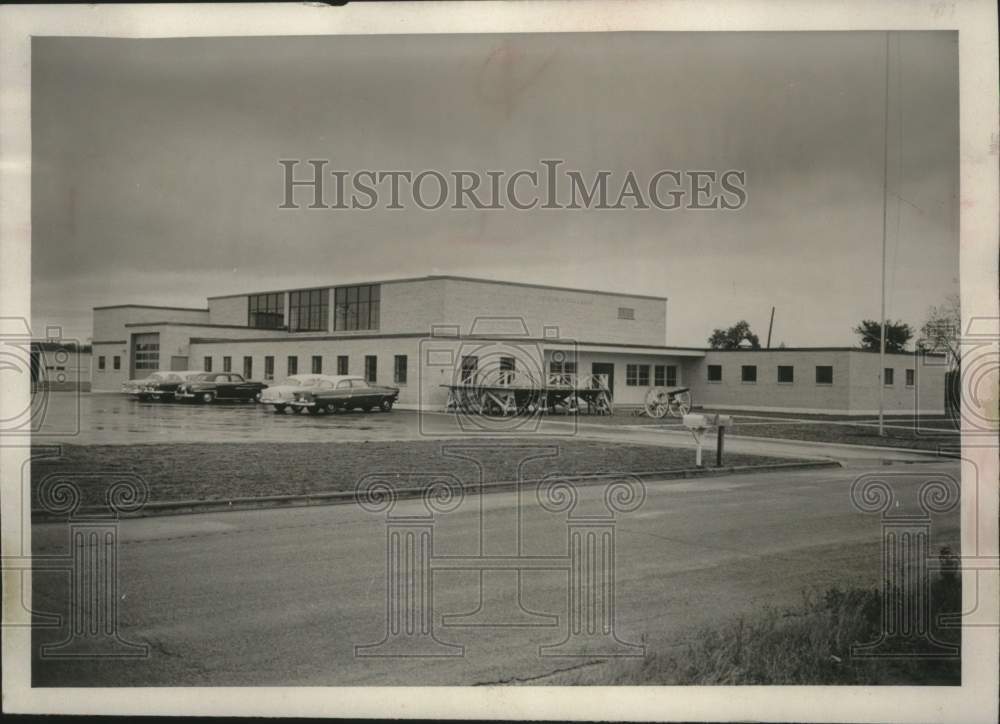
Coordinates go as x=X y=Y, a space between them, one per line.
x=885 y=212
x=770 y=326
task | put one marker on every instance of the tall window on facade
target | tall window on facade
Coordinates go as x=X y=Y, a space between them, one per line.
x=100 y=362
x=227 y=364
x=824 y=374
x=563 y=371
x=637 y=375
x=268 y=368
x=343 y=364
x=267 y=311
x=117 y=362
x=248 y=367
x=665 y=376
x=356 y=308
x=715 y=373
x=910 y=377
x=317 y=364
x=506 y=370
x=146 y=351
x=207 y=366
x=469 y=365
x=786 y=374
x=371 y=368
x=309 y=310
x=748 y=374
x=399 y=369
x=888 y=375
x=293 y=365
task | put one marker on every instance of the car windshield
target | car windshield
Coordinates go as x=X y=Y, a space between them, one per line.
x=200 y=378
x=290 y=382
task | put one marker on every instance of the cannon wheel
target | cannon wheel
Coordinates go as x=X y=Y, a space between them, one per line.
x=657 y=402
x=680 y=404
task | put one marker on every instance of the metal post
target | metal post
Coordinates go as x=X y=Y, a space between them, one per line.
x=885 y=211
x=721 y=445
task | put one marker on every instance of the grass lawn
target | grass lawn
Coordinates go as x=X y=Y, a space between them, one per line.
x=933 y=433
x=222 y=471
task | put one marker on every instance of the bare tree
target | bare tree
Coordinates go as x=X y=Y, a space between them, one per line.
x=942 y=330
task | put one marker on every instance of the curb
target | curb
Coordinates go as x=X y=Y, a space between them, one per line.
x=184 y=507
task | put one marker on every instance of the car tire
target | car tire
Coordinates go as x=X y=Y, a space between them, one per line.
x=366 y=408
x=386 y=405
x=207 y=397
x=315 y=410
x=279 y=409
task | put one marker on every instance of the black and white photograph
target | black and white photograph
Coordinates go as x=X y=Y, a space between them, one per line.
x=490 y=353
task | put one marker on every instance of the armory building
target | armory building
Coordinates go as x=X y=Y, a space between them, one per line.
x=424 y=334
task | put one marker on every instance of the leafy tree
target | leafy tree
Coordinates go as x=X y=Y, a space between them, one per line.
x=734 y=337
x=897 y=334
x=942 y=330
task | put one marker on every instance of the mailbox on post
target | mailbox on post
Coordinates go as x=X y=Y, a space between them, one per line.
x=700 y=424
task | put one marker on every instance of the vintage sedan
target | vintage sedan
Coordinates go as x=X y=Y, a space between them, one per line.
x=160 y=385
x=346 y=393
x=211 y=386
x=282 y=394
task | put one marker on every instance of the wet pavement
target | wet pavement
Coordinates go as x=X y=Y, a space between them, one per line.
x=114 y=419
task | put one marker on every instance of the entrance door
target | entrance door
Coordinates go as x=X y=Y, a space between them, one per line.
x=605 y=368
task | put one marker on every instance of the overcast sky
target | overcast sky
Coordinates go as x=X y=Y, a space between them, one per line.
x=156 y=176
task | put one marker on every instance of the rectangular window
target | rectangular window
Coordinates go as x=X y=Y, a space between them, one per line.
x=748 y=374
x=342 y=365
x=356 y=308
x=268 y=368
x=671 y=375
x=637 y=375
x=506 y=371
x=207 y=366
x=715 y=373
x=660 y=376
x=468 y=372
x=317 y=364
x=910 y=377
x=293 y=365
x=117 y=362
x=371 y=368
x=227 y=364
x=309 y=310
x=888 y=375
x=266 y=311
x=100 y=362
x=248 y=367
x=786 y=374
x=399 y=369
x=146 y=351
x=824 y=375
x=626 y=313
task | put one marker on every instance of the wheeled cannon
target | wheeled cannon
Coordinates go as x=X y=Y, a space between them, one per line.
x=663 y=401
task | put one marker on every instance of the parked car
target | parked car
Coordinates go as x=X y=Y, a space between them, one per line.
x=133 y=388
x=211 y=386
x=282 y=394
x=161 y=385
x=346 y=393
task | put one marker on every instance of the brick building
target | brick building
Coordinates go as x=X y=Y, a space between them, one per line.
x=420 y=334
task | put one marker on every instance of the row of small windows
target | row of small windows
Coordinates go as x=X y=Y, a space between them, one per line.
x=399 y=366
x=355 y=308
x=663 y=375
x=116 y=362
x=786 y=375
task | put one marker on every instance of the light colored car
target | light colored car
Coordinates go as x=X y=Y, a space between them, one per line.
x=347 y=392
x=283 y=393
x=144 y=387
x=163 y=385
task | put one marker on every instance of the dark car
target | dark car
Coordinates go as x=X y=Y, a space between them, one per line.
x=345 y=393
x=211 y=386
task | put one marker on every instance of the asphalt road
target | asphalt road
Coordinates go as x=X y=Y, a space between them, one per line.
x=282 y=597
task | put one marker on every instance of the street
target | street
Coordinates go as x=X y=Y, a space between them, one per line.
x=282 y=597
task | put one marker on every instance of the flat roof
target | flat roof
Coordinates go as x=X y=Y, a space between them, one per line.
x=153 y=306
x=826 y=349
x=452 y=277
